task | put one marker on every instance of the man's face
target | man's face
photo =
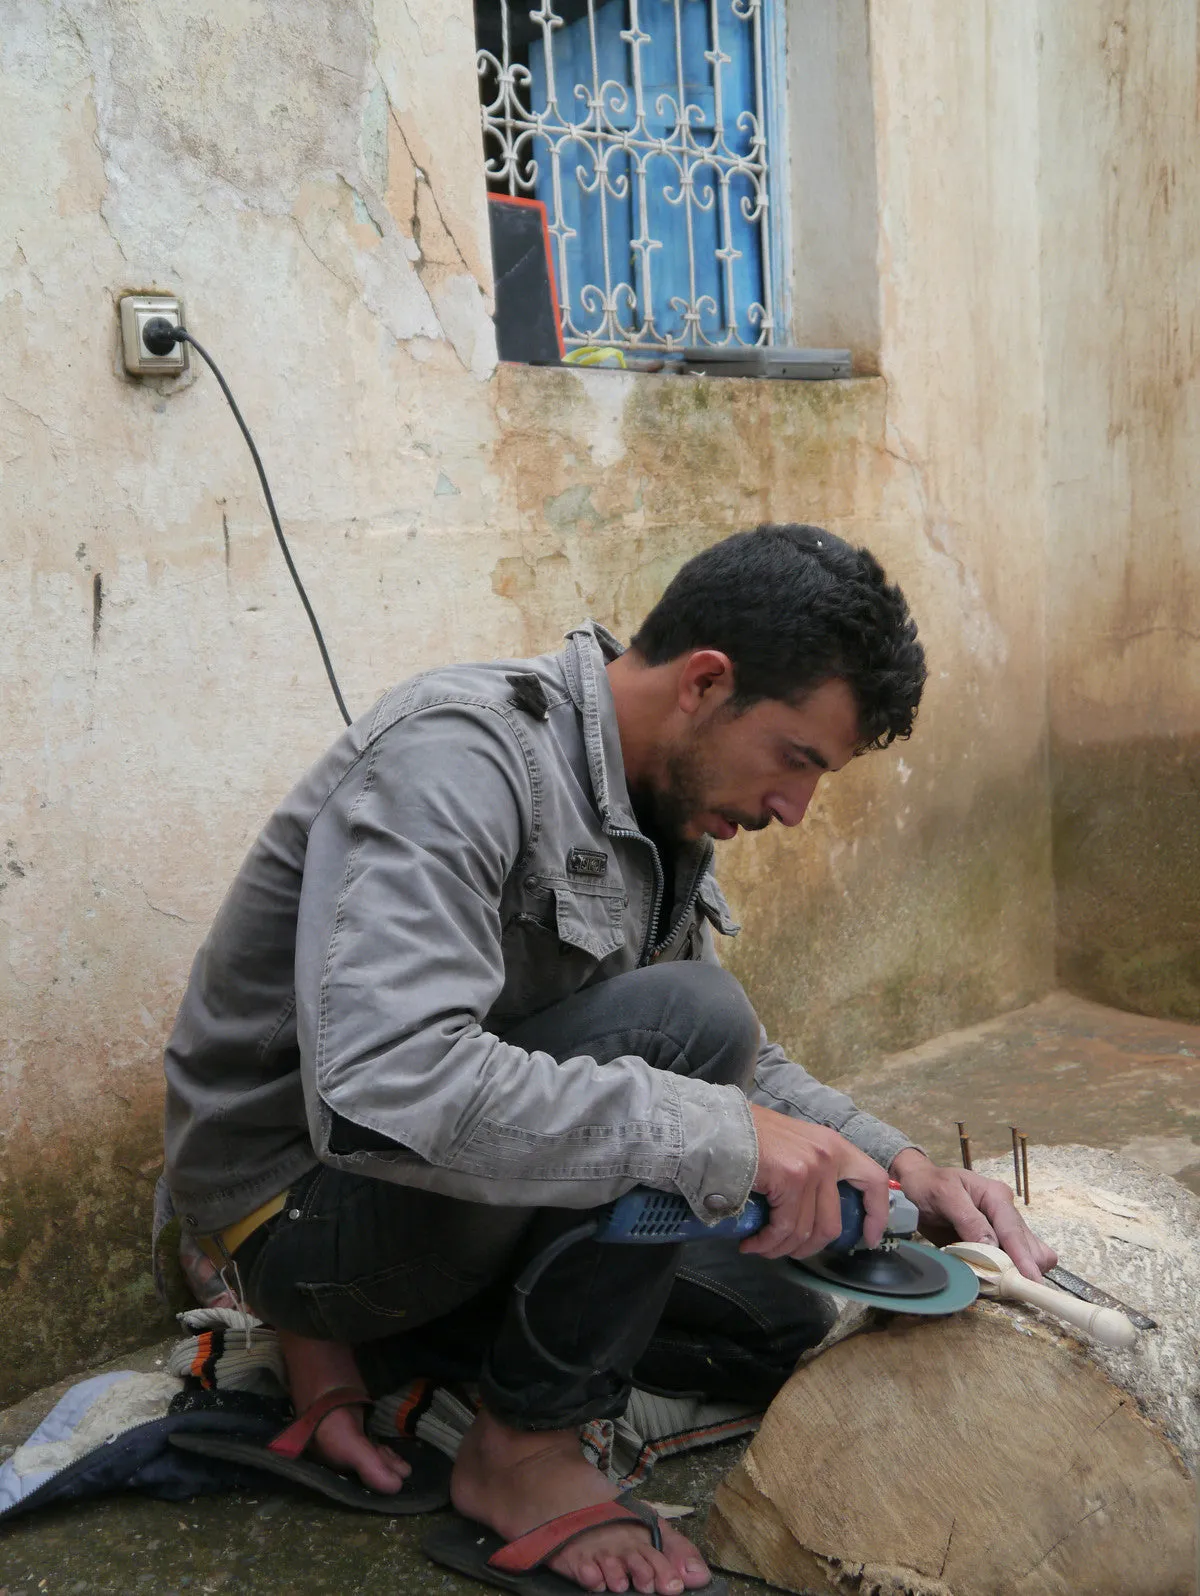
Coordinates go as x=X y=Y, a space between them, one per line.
x=724 y=771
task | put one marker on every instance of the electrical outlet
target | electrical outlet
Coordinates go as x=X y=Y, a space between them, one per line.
x=136 y=311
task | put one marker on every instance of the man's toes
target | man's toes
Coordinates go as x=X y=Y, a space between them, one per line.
x=641 y=1575
x=377 y=1472
x=394 y=1462
x=689 y=1566
x=590 y=1575
x=376 y=1478
x=653 y=1572
x=686 y=1560
x=613 y=1570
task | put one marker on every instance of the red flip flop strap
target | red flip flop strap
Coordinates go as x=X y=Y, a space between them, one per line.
x=292 y=1441
x=536 y=1546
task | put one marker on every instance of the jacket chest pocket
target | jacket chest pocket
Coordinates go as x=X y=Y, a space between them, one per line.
x=588 y=920
x=554 y=944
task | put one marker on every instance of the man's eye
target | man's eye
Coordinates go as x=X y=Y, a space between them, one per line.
x=795 y=761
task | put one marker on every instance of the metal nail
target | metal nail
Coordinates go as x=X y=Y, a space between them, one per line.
x=1016 y=1157
x=964 y=1143
x=1025 y=1166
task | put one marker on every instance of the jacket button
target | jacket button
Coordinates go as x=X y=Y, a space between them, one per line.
x=718 y=1204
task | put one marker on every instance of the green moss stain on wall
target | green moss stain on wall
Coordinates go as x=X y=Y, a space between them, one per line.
x=952 y=923
x=75 y=1273
x=1127 y=867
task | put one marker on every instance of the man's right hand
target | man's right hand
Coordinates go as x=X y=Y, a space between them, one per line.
x=799 y=1166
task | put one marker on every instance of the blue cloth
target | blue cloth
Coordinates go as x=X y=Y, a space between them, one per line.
x=140 y=1458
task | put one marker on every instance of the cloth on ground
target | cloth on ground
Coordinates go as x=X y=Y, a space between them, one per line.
x=110 y=1432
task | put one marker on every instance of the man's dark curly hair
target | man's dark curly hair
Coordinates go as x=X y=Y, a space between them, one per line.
x=794 y=606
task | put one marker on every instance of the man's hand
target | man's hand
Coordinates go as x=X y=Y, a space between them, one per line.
x=957 y=1204
x=799 y=1166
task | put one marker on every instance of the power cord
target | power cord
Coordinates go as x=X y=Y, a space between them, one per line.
x=529 y=1278
x=160 y=336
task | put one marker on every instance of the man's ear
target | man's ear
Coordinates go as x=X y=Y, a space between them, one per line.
x=706 y=681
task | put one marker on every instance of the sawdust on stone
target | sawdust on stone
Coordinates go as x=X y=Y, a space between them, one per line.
x=1136 y=1234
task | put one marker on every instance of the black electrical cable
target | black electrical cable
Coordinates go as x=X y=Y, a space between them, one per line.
x=160 y=336
x=529 y=1278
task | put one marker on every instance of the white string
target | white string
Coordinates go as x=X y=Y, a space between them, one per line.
x=236 y=1292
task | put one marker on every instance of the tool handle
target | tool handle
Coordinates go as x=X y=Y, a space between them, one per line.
x=1106 y=1325
x=644 y=1216
x=903 y=1217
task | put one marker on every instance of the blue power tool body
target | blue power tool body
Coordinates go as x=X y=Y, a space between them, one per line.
x=645 y=1216
x=900 y=1274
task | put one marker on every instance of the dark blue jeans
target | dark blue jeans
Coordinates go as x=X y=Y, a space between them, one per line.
x=422 y=1284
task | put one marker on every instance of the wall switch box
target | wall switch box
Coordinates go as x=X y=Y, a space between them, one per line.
x=136 y=311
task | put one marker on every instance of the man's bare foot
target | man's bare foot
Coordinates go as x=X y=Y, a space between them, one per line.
x=315 y=1367
x=513 y=1480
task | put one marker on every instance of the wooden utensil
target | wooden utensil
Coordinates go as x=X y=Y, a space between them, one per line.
x=999 y=1277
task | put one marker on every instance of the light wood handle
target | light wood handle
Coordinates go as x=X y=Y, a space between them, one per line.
x=1106 y=1325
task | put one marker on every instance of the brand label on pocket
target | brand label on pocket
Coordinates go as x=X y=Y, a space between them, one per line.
x=587 y=862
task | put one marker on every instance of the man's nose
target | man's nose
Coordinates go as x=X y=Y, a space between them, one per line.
x=790 y=807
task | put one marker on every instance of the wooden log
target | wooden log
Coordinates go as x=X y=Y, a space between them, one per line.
x=1137 y=1234
x=992 y=1453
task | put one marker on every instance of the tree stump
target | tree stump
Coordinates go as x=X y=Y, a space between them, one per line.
x=991 y=1453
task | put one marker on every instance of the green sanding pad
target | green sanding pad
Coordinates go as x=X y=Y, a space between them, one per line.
x=960 y=1290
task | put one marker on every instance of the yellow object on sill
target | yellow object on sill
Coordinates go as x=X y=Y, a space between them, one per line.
x=596 y=355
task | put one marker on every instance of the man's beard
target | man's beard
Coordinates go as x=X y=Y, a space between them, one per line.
x=666 y=809
x=683 y=795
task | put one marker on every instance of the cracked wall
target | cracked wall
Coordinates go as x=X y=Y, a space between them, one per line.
x=306 y=175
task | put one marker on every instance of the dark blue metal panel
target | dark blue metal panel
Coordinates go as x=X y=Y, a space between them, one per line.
x=674 y=223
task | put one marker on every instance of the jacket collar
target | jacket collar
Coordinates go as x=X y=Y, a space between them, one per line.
x=589 y=649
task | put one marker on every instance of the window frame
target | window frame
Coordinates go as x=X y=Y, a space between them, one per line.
x=776 y=235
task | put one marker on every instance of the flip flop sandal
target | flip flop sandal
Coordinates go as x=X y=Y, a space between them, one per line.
x=473 y=1549
x=425 y=1490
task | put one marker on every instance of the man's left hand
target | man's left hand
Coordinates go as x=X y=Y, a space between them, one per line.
x=957 y=1204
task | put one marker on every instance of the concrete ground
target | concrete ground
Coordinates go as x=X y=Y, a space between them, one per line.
x=1064 y=1070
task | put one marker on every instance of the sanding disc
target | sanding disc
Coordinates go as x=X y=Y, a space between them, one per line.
x=894 y=1271
x=959 y=1291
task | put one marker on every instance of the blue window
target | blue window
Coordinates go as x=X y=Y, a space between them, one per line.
x=642 y=126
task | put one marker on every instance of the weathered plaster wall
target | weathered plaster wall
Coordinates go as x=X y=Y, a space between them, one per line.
x=288 y=169
x=924 y=878
x=830 y=173
x=305 y=174
x=1120 y=187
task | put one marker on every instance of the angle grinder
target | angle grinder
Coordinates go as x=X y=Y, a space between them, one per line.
x=900 y=1275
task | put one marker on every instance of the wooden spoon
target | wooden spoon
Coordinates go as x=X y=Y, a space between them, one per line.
x=999 y=1277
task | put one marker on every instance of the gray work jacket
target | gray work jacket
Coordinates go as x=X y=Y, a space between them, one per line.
x=463 y=856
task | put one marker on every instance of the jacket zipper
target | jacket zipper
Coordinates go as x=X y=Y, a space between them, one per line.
x=652 y=950
x=689 y=905
x=636 y=836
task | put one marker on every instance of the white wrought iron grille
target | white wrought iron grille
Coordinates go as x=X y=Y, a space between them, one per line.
x=641 y=125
